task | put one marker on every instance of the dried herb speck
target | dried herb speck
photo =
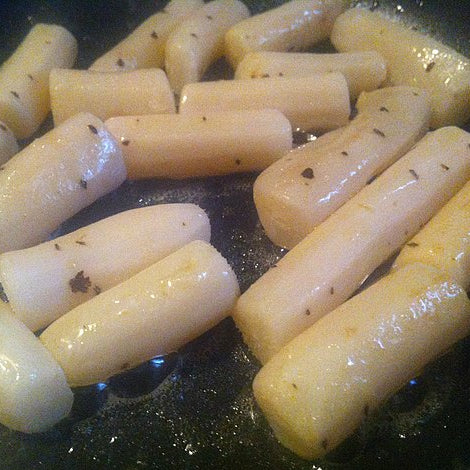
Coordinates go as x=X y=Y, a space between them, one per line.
x=80 y=242
x=238 y=161
x=97 y=290
x=2 y=127
x=80 y=283
x=93 y=129
x=332 y=290
x=83 y=183
x=371 y=179
x=280 y=74
x=57 y=246
x=3 y=295
x=445 y=167
x=295 y=386
x=378 y=132
x=384 y=109
x=307 y=312
x=15 y=94
x=430 y=66
x=120 y=63
x=204 y=118
x=415 y=175
x=307 y=173
x=30 y=76
x=412 y=244
x=415 y=93
x=154 y=35
x=125 y=142
x=344 y=153
x=194 y=35
x=265 y=75
x=209 y=17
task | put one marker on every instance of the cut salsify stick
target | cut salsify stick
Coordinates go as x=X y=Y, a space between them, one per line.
x=303 y=188
x=444 y=242
x=54 y=177
x=363 y=70
x=183 y=146
x=24 y=77
x=321 y=385
x=8 y=143
x=297 y=25
x=199 y=40
x=145 y=46
x=69 y=270
x=318 y=102
x=108 y=94
x=34 y=394
x=154 y=312
x=412 y=59
x=327 y=266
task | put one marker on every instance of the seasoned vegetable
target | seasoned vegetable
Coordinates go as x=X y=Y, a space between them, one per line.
x=46 y=281
x=184 y=146
x=34 y=394
x=303 y=188
x=24 y=77
x=107 y=94
x=145 y=46
x=54 y=177
x=327 y=266
x=412 y=59
x=154 y=312
x=321 y=385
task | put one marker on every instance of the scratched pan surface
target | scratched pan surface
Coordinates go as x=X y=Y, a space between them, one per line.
x=195 y=409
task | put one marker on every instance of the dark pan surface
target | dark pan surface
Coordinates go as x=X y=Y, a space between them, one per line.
x=195 y=409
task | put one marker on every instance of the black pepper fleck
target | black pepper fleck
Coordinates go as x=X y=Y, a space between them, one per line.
x=384 y=109
x=295 y=386
x=412 y=244
x=307 y=173
x=15 y=94
x=80 y=242
x=445 y=167
x=194 y=35
x=415 y=175
x=184 y=224
x=344 y=153
x=80 y=283
x=3 y=128
x=280 y=74
x=97 y=290
x=57 y=246
x=415 y=93
x=204 y=118
x=332 y=290
x=307 y=312
x=125 y=142
x=238 y=161
x=430 y=66
x=371 y=179
x=83 y=183
x=378 y=132
x=265 y=75
x=209 y=17
x=154 y=35
x=93 y=129
x=30 y=77
x=120 y=62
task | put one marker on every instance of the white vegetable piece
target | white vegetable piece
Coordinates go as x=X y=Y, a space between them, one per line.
x=199 y=41
x=154 y=312
x=8 y=143
x=363 y=70
x=327 y=266
x=303 y=188
x=34 y=394
x=184 y=146
x=412 y=59
x=319 y=387
x=24 y=77
x=108 y=94
x=145 y=46
x=63 y=273
x=296 y=25
x=444 y=242
x=54 y=177
x=318 y=102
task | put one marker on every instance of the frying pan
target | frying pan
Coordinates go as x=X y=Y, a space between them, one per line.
x=194 y=409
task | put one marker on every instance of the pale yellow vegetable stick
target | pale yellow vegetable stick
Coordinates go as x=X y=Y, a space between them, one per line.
x=108 y=94
x=318 y=102
x=199 y=41
x=8 y=143
x=24 y=77
x=444 y=242
x=145 y=46
x=303 y=188
x=363 y=70
x=316 y=391
x=154 y=312
x=34 y=394
x=184 y=146
x=296 y=25
x=54 y=177
x=69 y=270
x=327 y=266
x=412 y=59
